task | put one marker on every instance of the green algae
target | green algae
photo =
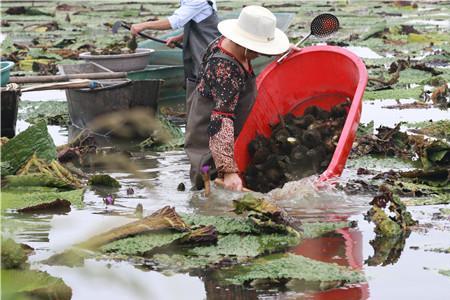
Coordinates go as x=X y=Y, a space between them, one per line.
x=13 y=255
x=34 y=140
x=26 y=284
x=15 y=199
x=103 y=180
x=287 y=266
x=141 y=244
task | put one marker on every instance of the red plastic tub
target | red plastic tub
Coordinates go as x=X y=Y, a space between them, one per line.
x=319 y=75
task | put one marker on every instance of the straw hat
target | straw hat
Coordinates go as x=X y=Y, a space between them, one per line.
x=255 y=29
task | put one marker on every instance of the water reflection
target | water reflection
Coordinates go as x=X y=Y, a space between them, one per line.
x=387 y=250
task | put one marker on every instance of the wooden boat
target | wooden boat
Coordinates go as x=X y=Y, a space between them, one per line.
x=9 y=107
x=86 y=104
x=320 y=75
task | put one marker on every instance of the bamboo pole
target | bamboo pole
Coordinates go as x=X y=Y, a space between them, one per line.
x=74 y=84
x=59 y=78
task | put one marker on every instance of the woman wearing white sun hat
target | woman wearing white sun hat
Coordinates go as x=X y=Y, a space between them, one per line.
x=225 y=94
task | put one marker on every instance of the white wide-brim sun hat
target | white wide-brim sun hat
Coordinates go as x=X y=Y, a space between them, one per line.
x=255 y=29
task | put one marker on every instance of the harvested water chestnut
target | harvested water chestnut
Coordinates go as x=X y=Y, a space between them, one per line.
x=299 y=146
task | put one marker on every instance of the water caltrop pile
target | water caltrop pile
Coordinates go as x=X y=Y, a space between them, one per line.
x=299 y=146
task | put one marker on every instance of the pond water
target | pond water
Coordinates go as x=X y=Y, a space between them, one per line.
x=411 y=275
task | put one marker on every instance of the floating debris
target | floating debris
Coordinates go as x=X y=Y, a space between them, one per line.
x=181 y=187
x=103 y=180
x=266 y=214
x=386 y=225
x=165 y=218
x=13 y=255
x=58 y=205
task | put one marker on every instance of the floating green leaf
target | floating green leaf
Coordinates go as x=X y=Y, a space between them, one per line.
x=21 y=148
x=288 y=266
x=140 y=244
x=15 y=199
x=25 y=284
x=103 y=180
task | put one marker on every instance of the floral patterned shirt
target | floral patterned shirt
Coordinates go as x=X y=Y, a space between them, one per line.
x=222 y=81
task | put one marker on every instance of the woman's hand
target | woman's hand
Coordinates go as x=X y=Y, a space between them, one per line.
x=170 y=42
x=136 y=28
x=232 y=181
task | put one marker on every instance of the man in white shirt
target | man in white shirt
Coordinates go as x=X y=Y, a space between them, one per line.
x=199 y=19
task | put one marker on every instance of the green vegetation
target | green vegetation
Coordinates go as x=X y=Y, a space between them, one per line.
x=27 y=284
x=103 y=180
x=17 y=199
x=288 y=266
x=34 y=140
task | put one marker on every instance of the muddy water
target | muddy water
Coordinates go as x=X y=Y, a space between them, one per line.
x=413 y=275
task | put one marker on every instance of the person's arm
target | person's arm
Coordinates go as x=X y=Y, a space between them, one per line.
x=162 y=24
x=225 y=81
x=170 y=42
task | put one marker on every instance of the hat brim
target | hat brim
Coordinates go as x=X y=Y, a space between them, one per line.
x=231 y=30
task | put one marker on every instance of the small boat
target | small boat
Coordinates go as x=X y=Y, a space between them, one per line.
x=323 y=76
x=9 y=107
x=86 y=104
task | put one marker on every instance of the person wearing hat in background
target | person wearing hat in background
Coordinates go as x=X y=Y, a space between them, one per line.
x=199 y=21
x=226 y=92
